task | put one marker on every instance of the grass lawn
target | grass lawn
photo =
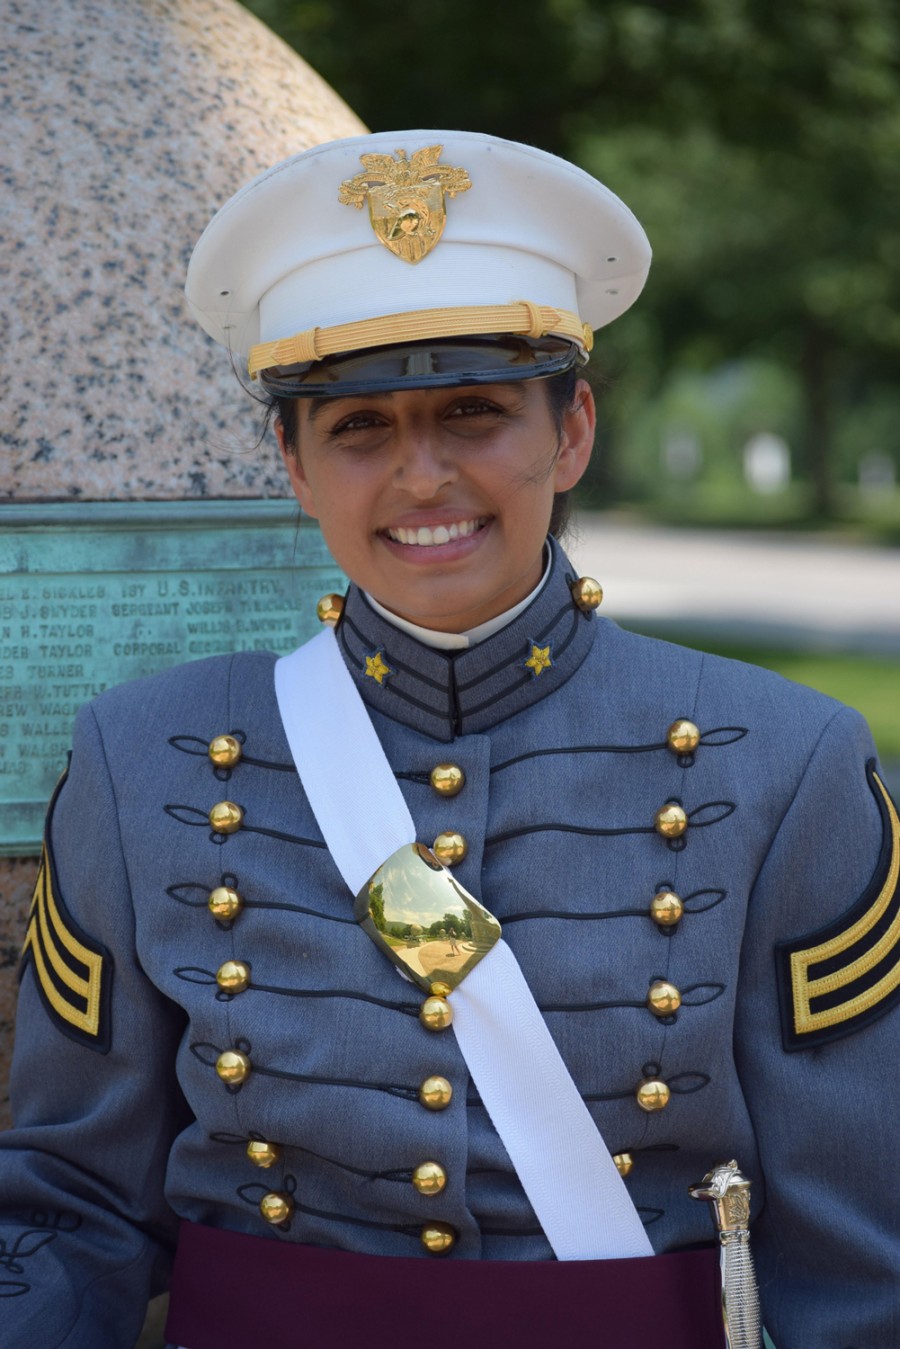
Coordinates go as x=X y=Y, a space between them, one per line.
x=869 y=683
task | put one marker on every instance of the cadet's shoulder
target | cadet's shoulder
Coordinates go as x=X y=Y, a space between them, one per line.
x=718 y=686
x=157 y=697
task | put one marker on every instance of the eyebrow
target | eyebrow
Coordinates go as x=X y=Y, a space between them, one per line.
x=319 y=405
x=316 y=406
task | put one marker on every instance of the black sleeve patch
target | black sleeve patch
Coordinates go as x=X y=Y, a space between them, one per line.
x=834 y=981
x=73 y=972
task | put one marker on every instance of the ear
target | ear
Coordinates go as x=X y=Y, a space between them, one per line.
x=291 y=458
x=577 y=439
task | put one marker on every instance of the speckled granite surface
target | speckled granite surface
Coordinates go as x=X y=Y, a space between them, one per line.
x=125 y=124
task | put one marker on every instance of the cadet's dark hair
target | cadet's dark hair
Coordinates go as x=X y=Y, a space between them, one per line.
x=560 y=390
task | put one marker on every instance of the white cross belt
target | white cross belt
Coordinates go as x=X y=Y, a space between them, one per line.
x=560 y=1158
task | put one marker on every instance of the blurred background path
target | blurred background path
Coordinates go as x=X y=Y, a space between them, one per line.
x=824 y=612
x=784 y=590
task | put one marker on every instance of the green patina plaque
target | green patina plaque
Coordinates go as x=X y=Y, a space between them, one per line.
x=96 y=593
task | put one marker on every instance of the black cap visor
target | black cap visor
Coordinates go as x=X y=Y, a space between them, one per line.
x=425 y=365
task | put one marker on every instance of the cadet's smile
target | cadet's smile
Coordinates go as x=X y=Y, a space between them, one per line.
x=436 y=501
x=426 y=536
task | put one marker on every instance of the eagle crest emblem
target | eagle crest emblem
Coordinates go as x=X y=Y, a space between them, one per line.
x=406 y=197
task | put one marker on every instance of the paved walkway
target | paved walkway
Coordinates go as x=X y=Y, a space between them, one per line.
x=777 y=588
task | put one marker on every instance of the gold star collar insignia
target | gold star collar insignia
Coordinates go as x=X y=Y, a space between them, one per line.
x=539 y=660
x=377 y=668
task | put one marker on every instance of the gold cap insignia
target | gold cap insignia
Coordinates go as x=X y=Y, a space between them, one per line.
x=406 y=198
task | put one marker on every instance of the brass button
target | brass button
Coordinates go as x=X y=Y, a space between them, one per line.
x=225 y=751
x=329 y=609
x=666 y=908
x=233 y=1067
x=429 y=1178
x=435 y=1013
x=587 y=594
x=450 y=847
x=263 y=1154
x=652 y=1094
x=224 y=903
x=447 y=779
x=437 y=1238
x=435 y=1093
x=663 y=998
x=233 y=976
x=682 y=737
x=624 y=1163
x=276 y=1208
x=670 y=820
x=226 y=818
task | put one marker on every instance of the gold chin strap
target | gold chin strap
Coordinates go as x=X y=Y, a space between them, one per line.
x=522 y=318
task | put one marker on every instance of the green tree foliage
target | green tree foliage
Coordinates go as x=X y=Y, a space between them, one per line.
x=758 y=141
x=376 y=907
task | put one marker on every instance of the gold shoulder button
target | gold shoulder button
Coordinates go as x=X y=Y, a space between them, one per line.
x=587 y=594
x=329 y=609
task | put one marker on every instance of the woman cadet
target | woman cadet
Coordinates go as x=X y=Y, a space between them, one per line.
x=478 y=931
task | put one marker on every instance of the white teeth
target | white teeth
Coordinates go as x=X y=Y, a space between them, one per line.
x=425 y=537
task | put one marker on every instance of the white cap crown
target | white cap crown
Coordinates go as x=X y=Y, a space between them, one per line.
x=441 y=231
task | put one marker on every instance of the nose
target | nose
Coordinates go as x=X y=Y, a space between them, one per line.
x=423 y=464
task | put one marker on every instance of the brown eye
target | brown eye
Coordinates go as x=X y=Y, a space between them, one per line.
x=475 y=407
x=356 y=421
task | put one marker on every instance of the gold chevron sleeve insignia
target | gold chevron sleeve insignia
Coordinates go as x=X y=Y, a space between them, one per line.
x=73 y=972
x=837 y=980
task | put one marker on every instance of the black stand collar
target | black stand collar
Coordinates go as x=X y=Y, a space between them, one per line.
x=449 y=693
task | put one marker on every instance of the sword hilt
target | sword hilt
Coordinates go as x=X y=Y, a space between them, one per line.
x=728 y=1194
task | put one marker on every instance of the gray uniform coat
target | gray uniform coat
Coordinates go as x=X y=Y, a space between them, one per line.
x=786 y=958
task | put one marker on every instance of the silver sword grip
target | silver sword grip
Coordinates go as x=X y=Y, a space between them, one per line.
x=728 y=1194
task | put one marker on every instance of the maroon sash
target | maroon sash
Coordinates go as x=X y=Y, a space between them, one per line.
x=233 y=1291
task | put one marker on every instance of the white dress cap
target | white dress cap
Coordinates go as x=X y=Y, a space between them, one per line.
x=409 y=235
